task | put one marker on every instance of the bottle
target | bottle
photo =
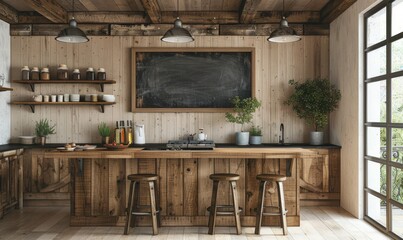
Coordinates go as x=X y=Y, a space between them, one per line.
x=122 y=132
x=117 y=133
x=76 y=74
x=62 y=72
x=90 y=74
x=25 y=73
x=45 y=74
x=35 y=73
x=101 y=75
x=129 y=132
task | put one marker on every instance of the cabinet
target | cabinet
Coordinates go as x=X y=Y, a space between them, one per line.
x=10 y=180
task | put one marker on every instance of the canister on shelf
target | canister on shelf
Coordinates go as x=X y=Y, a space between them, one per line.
x=90 y=74
x=45 y=74
x=101 y=75
x=35 y=73
x=62 y=72
x=76 y=74
x=25 y=73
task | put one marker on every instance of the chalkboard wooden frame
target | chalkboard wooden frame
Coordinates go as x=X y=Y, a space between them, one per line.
x=135 y=52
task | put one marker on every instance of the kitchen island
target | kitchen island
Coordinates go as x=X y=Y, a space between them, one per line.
x=100 y=187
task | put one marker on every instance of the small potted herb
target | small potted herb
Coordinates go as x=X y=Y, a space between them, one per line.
x=43 y=129
x=243 y=113
x=105 y=132
x=255 y=135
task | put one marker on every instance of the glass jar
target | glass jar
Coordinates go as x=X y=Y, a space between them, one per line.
x=101 y=75
x=62 y=72
x=35 y=73
x=76 y=74
x=25 y=73
x=90 y=74
x=45 y=74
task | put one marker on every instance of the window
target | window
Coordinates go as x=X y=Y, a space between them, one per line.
x=383 y=118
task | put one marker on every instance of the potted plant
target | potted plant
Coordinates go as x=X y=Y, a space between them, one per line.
x=105 y=132
x=255 y=135
x=43 y=129
x=243 y=113
x=313 y=100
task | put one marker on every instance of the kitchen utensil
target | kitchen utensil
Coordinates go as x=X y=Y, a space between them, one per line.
x=139 y=137
x=201 y=136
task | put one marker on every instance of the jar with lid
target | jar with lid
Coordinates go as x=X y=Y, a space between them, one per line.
x=101 y=75
x=45 y=74
x=35 y=73
x=62 y=72
x=25 y=73
x=76 y=74
x=90 y=74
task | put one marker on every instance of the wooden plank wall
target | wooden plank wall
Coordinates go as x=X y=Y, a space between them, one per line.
x=275 y=65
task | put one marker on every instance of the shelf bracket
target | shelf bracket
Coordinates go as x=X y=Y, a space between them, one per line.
x=32 y=108
x=32 y=85
x=101 y=85
x=102 y=108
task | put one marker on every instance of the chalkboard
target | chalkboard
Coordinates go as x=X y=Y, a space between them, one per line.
x=190 y=79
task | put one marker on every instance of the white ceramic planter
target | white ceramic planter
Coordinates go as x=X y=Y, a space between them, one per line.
x=316 y=138
x=255 y=140
x=242 y=138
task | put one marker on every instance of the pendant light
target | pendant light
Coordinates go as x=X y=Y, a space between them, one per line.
x=177 y=34
x=284 y=34
x=72 y=34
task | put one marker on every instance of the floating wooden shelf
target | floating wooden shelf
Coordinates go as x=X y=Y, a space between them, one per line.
x=3 y=89
x=33 y=104
x=32 y=83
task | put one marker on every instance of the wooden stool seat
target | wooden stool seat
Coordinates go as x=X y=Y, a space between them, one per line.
x=134 y=209
x=216 y=209
x=280 y=210
x=271 y=177
x=142 y=177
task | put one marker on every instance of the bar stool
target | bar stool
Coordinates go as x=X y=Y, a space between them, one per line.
x=223 y=209
x=279 y=179
x=133 y=207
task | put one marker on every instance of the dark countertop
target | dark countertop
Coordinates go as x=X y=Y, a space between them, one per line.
x=156 y=146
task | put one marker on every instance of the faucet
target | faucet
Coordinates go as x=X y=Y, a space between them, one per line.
x=281 y=138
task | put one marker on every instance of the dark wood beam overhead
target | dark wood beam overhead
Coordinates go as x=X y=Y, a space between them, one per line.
x=333 y=9
x=248 y=10
x=292 y=17
x=199 y=17
x=153 y=10
x=7 y=13
x=49 y=9
x=111 y=17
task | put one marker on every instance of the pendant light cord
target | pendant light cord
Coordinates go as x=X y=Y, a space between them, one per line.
x=177 y=9
x=282 y=12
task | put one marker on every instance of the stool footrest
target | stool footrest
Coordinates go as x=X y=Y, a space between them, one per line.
x=225 y=209
x=276 y=211
x=143 y=213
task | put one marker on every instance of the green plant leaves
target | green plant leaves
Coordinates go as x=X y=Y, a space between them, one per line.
x=244 y=109
x=43 y=129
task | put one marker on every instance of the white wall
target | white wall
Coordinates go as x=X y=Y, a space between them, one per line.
x=347 y=122
x=5 y=70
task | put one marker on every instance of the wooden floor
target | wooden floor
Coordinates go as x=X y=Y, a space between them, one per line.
x=52 y=223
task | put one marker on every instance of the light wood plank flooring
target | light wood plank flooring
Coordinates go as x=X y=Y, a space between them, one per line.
x=44 y=223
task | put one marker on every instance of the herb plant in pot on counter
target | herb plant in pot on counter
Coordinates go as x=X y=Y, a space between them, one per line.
x=255 y=135
x=43 y=129
x=105 y=132
x=243 y=113
x=313 y=100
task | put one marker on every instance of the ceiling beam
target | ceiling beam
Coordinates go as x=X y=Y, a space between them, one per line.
x=153 y=10
x=333 y=9
x=49 y=9
x=292 y=17
x=7 y=13
x=248 y=10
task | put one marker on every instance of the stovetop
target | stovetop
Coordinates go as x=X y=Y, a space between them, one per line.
x=191 y=144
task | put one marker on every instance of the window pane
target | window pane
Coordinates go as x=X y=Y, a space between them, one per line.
x=397 y=145
x=376 y=62
x=397 y=221
x=376 y=177
x=397 y=55
x=376 y=209
x=397 y=17
x=397 y=184
x=376 y=101
x=397 y=100
x=376 y=30
x=376 y=142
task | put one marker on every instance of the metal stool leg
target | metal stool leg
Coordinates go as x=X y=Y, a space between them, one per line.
x=213 y=209
x=236 y=207
x=259 y=212
x=281 y=202
x=129 y=208
x=153 y=208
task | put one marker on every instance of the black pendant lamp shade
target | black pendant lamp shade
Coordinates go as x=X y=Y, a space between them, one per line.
x=72 y=34
x=284 y=34
x=177 y=34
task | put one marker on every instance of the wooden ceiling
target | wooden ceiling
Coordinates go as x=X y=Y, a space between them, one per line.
x=23 y=14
